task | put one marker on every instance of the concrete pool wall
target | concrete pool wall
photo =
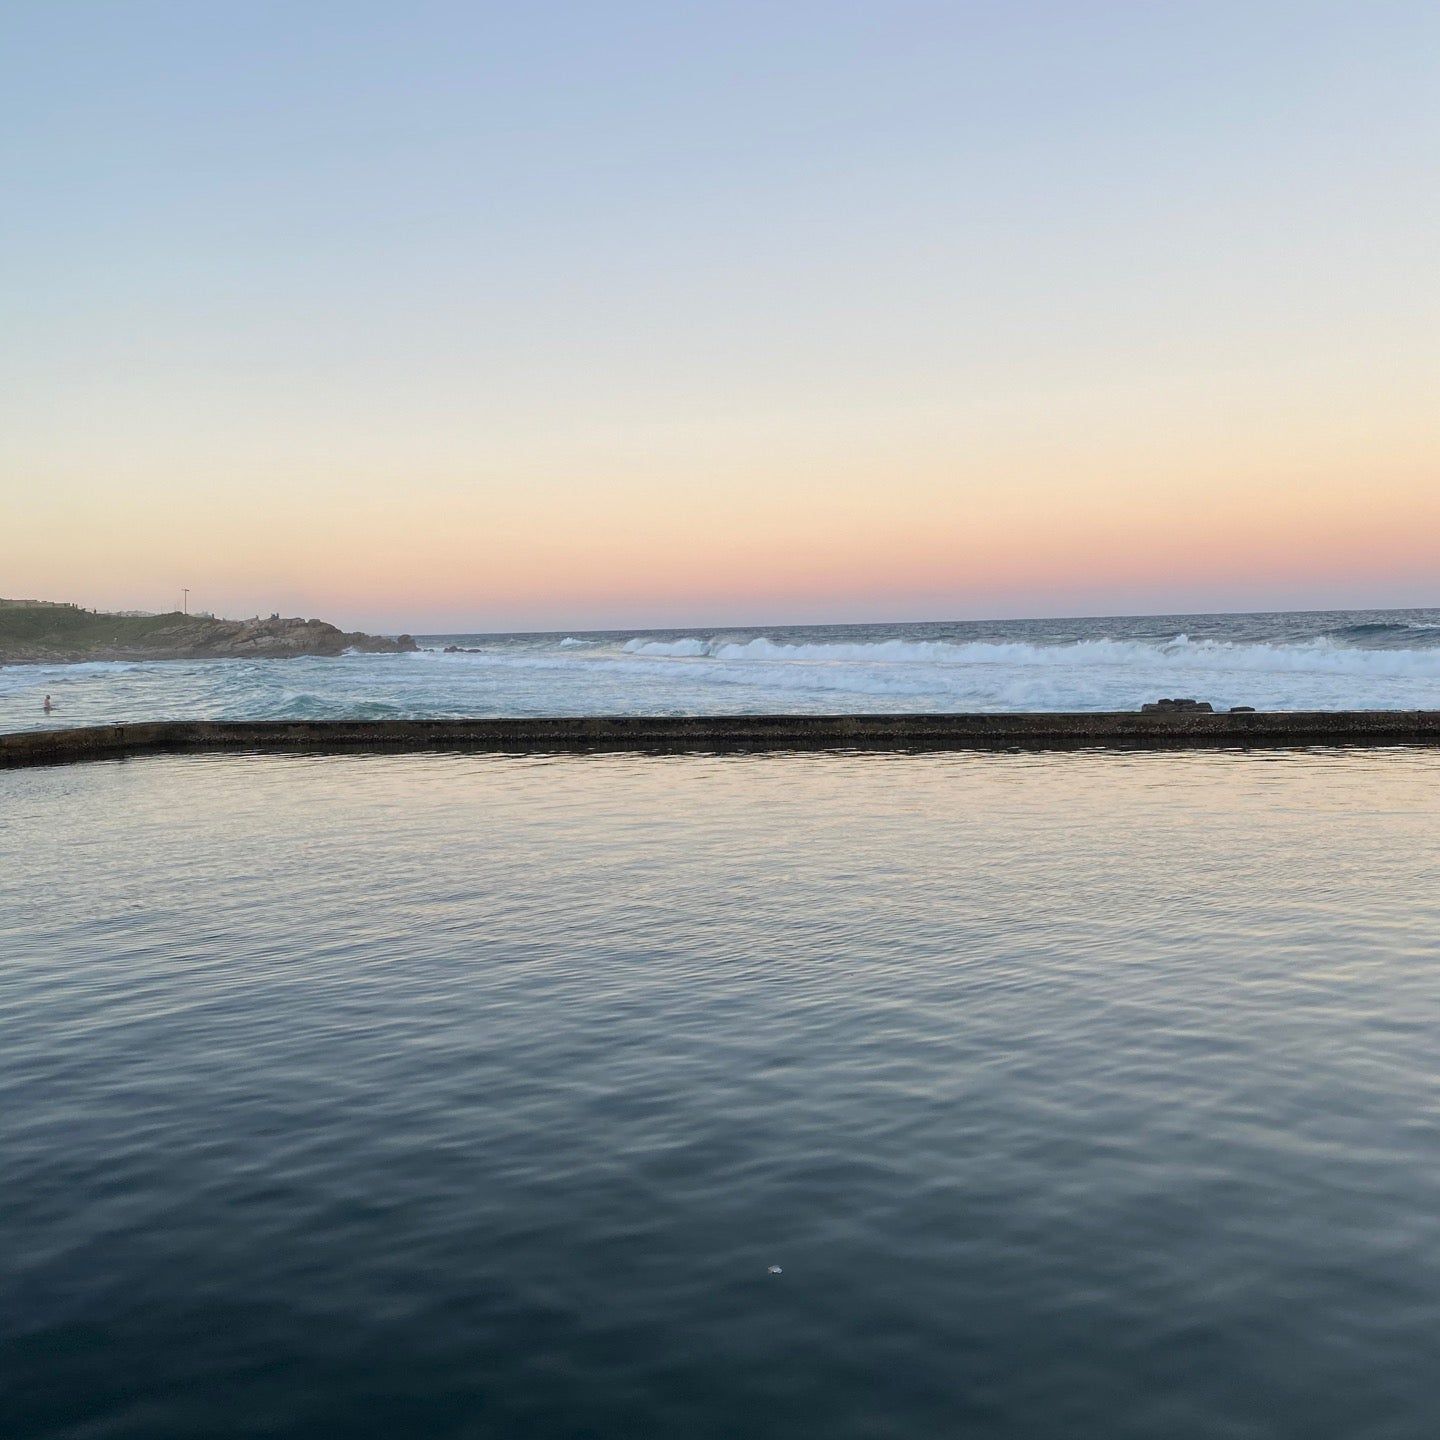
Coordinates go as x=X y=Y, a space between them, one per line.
x=682 y=733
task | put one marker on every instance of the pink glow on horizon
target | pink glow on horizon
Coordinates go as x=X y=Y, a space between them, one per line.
x=1081 y=550
x=721 y=316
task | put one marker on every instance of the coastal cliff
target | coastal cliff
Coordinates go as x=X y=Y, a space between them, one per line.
x=36 y=632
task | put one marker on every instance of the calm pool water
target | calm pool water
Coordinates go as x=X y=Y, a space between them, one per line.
x=1079 y=1095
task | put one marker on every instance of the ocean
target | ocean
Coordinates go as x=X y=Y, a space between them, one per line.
x=1387 y=659
x=497 y=1098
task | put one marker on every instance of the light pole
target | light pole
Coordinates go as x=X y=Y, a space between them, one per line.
x=185 y=599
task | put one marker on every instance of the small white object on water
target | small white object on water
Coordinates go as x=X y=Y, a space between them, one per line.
x=776 y=1270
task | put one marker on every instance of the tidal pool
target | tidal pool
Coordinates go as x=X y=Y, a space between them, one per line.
x=1081 y=1095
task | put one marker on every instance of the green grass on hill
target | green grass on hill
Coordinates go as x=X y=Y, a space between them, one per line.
x=69 y=626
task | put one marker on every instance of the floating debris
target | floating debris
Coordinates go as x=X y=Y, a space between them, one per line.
x=775 y=1270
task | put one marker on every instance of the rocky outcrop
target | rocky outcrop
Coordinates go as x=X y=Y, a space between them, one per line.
x=277 y=639
x=1166 y=707
x=60 y=633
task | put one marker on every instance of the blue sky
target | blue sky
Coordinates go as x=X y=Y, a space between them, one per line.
x=494 y=315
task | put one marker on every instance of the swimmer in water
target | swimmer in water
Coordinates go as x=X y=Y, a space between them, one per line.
x=48 y=705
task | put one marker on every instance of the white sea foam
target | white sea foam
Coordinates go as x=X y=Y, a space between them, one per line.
x=673 y=648
x=1320 y=656
x=1380 y=664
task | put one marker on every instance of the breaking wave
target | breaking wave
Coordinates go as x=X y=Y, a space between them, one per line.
x=1320 y=656
x=1339 y=660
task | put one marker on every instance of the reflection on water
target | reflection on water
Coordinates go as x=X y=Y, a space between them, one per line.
x=1081 y=1095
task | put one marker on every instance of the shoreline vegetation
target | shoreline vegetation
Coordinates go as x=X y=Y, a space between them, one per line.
x=39 y=632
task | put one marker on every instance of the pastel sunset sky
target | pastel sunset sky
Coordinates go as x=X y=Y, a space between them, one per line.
x=468 y=316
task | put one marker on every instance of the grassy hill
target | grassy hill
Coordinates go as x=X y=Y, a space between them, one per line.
x=50 y=625
x=40 y=631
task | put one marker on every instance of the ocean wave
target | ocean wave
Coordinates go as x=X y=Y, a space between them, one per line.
x=1318 y=656
x=1377 y=627
x=66 y=668
x=1115 y=666
x=315 y=705
x=1386 y=632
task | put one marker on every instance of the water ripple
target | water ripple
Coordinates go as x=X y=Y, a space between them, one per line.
x=1082 y=1095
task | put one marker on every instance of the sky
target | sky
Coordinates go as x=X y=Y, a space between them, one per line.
x=470 y=316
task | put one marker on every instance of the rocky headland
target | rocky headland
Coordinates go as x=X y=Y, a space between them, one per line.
x=38 y=632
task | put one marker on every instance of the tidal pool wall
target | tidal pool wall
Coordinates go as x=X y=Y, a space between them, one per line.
x=714 y=733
